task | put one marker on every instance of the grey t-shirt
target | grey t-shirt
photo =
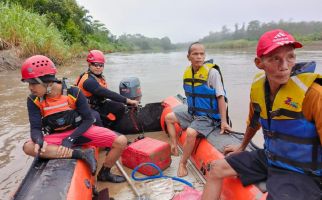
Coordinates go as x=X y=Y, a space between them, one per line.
x=214 y=81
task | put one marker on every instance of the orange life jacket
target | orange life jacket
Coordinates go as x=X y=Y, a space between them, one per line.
x=83 y=77
x=58 y=113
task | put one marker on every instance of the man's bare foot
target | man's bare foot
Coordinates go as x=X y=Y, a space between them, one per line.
x=174 y=151
x=182 y=170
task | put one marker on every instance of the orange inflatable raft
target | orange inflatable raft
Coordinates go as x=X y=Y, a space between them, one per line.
x=68 y=179
x=207 y=150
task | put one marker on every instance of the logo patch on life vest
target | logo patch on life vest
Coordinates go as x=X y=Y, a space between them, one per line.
x=60 y=121
x=289 y=102
x=201 y=76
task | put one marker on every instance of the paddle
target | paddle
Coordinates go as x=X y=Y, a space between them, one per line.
x=135 y=190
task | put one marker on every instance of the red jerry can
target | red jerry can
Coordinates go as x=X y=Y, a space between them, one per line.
x=147 y=150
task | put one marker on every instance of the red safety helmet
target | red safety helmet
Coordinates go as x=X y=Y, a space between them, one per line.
x=36 y=67
x=95 y=56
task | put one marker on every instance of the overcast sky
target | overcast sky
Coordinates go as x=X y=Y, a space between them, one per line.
x=186 y=20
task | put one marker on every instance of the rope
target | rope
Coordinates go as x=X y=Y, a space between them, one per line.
x=160 y=175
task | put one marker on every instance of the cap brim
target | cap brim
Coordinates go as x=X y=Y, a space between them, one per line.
x=30 y=80
x=275 y=46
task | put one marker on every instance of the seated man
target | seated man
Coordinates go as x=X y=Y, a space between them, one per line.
x=288 y=107
x=206 y=105
x=64 y=115
x=109 y=104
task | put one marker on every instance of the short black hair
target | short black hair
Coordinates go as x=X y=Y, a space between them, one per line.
x=190 y=46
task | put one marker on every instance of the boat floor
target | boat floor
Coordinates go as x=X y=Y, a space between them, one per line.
x=123 y=190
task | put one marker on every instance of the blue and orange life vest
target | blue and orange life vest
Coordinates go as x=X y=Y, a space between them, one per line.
x=201 y=99
x=58 y=114
x=291 y=141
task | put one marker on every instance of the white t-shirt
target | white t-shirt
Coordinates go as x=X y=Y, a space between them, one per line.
x=214 y=81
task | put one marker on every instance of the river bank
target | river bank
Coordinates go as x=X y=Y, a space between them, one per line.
x=10 y=60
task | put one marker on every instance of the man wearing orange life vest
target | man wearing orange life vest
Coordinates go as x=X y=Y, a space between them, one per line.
x=287 y=104
x=63 y=113
x=109 y=104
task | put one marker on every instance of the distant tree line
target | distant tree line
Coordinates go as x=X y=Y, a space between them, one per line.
x=79 y=32
x=311 y=31
x=140 y=42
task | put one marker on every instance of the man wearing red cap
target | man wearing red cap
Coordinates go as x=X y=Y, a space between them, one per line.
x=287 y=105
x=109 y=104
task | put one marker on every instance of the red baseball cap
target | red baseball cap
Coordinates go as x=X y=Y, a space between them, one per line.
x=271 y=40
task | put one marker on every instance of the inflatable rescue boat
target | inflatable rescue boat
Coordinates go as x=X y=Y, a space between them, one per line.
x=211 y=148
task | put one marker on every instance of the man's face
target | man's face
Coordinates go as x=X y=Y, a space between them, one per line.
x=278 y=65
x=197 y=55
x=37 y=89
x=96 y=68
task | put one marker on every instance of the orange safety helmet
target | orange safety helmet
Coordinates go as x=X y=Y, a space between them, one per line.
x=37 y=68
x=95 y=56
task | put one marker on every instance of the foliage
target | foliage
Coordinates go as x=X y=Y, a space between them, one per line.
x=140 y=42
x=31 y=33
x=73 y=21
x=307 y=31
x=62 y=28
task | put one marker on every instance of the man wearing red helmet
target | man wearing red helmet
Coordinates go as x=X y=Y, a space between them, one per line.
x=64 y=115
x=109 y=104
x=287 y=104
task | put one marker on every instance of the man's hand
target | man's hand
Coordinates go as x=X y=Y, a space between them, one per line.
x=132 y=102
x=231 y=149
x=39 y=149
x=225 y=128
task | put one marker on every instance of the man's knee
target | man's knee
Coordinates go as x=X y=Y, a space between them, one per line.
x=219 y=169
x=191 y=133
x=170 y=118
x=28 y=148
x=120 y=142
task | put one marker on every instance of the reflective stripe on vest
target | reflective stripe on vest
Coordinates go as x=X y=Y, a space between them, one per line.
x=49 y=106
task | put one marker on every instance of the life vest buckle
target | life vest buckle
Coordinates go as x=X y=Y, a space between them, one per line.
x=269 y=133
x=274 y=113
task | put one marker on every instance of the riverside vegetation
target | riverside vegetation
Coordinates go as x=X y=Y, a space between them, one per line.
x=63 y=30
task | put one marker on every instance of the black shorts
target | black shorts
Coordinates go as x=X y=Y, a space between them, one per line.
x=281 y=184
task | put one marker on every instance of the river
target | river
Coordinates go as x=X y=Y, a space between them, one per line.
x=160 y=75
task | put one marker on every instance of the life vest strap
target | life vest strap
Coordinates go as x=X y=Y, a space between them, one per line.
x=255 y=119
x=287 y=113
x=211 y=96
x=210 y=111
x=304 y=165
x=318 y=81
x=293 y=139
x=79 y=78
x=192 y=80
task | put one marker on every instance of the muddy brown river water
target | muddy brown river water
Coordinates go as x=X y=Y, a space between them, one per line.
x=160 y=75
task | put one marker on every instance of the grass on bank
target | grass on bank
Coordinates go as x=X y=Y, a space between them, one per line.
x=31 y=33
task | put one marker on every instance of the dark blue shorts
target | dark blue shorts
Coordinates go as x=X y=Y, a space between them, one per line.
x=281 y=184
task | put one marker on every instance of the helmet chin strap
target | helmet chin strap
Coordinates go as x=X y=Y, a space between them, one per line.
x=48 y=86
